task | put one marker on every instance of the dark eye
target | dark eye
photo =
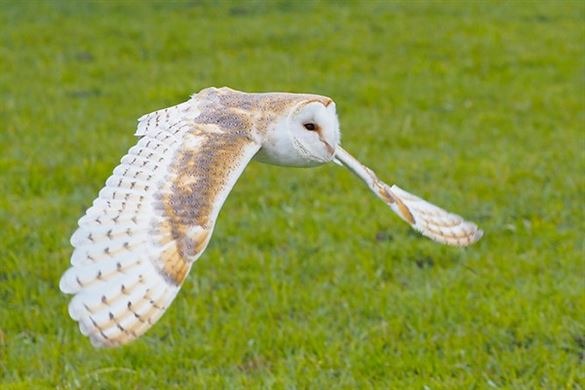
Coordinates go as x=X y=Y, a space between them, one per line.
x=310 y=126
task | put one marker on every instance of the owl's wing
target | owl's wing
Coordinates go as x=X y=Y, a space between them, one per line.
x=426 y=218
x=151 y=221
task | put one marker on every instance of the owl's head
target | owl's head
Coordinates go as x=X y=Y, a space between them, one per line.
x=305 y=135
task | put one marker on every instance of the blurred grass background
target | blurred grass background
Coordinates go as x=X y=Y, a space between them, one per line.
x=309 y=281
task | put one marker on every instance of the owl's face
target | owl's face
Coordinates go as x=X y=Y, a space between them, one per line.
x=307 y=135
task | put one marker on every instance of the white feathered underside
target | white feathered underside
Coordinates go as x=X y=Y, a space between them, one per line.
x=118 y=291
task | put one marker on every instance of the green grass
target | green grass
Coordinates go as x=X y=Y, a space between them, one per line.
x=309 y=281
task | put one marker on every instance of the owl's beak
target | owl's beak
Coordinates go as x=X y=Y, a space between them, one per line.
x=330 y=149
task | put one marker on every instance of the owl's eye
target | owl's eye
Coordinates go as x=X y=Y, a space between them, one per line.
x=310 y=126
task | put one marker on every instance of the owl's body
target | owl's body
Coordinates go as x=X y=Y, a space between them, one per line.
x=136 y=244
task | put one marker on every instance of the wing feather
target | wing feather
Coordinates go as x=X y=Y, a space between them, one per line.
x=426 y=218
x=151 y=221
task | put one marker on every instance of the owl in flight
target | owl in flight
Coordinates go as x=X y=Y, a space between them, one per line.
x=155 y=215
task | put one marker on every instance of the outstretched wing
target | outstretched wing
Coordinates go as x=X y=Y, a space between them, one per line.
x=426 y=218
x=151 y=221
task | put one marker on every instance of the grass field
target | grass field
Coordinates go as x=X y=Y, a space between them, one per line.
x=309 y=281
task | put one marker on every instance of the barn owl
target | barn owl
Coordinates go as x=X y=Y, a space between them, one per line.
x=155 y=215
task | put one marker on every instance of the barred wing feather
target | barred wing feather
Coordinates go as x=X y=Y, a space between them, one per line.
x=151 y=221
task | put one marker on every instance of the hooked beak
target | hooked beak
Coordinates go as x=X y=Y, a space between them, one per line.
x=330 y=149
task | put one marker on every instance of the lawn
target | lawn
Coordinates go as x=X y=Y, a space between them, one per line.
x=309 y=281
